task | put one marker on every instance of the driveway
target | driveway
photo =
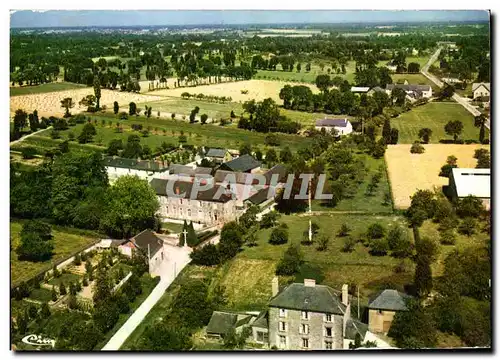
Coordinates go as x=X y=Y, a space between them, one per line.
x=459 y=99
x=176 y=259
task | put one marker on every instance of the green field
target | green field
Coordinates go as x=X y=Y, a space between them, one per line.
x=435 y=116
x=66 y=242
x=197 y=134
x=361 y=202
x=44 y=88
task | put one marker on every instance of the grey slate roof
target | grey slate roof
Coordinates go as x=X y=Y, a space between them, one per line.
x=242 y=163
x=354 y=327
x=259 y=197
x=276 y=169
x=332 y=122
x=261 y=321
x=221 y=322
x=408 y=87
x=318 y=298
x=145 y=238
x=240 y=177
x=218 y=153
x=178 y=169
x=389 y=299
x=145 y=165
x=185 y=188
x=378 y=89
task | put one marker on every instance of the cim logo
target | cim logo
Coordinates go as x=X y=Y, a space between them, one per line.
x=38 y=340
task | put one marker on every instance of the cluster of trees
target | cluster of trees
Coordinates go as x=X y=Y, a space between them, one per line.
x=72 y=189
x=209 y=98
x=36 y=241
x=264 y=116
x=190 y=310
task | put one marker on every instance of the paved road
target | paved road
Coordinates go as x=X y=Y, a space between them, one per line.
x=459 y=99
x=27 y=136
x=177 y=258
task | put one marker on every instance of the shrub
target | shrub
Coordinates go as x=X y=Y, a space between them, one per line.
x=323 y=243
x=375 y=231
x=379 y=247
x=417 y=148
x=344 y=230
x=123 y=116
x=447 y=237
x=290 y=263
x=208 y=255
x=349 y=244
x=28 y=152
x=279 y=235
x=467 y=226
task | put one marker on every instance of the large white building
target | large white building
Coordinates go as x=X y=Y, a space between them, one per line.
x=342 y=126
x=413 y=92
x=144 y=169
x=480 y=90
x=475 y=182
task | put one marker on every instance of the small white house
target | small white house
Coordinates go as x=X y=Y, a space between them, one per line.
x=342 y=126
x=145 y=169
x=480 y=90
x=359 y=89
x=414 y=91
x=475 y=182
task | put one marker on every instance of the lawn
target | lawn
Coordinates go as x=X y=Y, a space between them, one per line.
x=333 y=267
x=66 y=242
x=44 y=88
x=409 y=172
x=434 y=115
x=362 y=202
x=64 y=278
x=42 y=295
x=197 y=134
x=172 y=227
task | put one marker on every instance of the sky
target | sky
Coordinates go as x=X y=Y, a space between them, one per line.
x=74 y=18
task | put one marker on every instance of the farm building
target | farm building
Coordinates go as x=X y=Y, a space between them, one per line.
x=147 y=242
x=218 y=156
x=341 y=126
x=144 y=169
x=475 y=182
x=480 y=90
x=412 y=91
x=359 y=90
x=382 y=309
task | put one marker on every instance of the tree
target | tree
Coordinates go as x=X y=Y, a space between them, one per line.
x=323 y=82
x=45 y=311
x=469 y=206
x=344 y=230
x=62 y=289
x=413 y=67
x=425 y=134
x=246 y=149
x=426 y=252
x=208 y=255
x=36 y=241
x=375 y=231
x=97 y=91
x=446 y=92
x=467 y=226
x=130 y=206
x=414 y=328
x=271 y=157
x=114 y=147
x=454 y=128
x=116 y=107
x=279 y=235
x=399 y=95
x=394 y=136
x=386 y=131
x=165 y=337
x=106 y=315
x=417 y=148
x=132 y=108
x=290 y=263
x=53 y=294
x=203 y=119
x=87 y=133
x=102 y=288
x=67 y=103
x=480 y=122
x=269 y=220
x=399 y=243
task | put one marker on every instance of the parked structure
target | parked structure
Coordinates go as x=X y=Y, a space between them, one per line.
x=476 y=182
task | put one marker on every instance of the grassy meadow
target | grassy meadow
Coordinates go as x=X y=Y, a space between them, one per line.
x=44 y=88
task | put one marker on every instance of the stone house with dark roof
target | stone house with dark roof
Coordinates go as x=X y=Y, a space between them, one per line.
x=218 y=156
x=149 y=244
x=382 y=308
x=145 y=169
x=413 y=92
x=215 y=205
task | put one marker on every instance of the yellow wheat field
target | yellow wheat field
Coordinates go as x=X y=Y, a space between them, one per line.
x=410 y=172
x=257 y=89
x=49 y=104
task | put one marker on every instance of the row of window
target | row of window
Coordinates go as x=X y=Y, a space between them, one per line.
x=328 y=345
x=304 y=329
x=283 y=313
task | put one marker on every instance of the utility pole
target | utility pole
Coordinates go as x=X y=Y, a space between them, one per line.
x=358 y=304
x=310 y=213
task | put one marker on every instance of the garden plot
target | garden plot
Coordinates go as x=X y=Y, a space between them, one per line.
x=411 y=172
